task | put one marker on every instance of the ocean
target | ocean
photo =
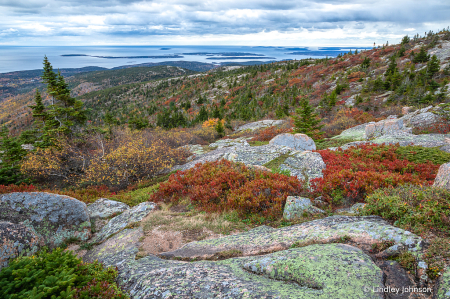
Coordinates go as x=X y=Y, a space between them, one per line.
x=20 y=58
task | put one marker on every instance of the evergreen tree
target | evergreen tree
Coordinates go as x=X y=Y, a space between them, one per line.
x=306 y=121
x=433 y=66
x=11 y=154
x=64 y=114
x=392 y=68
x=422 y=56
x=405 y=40
x=220 y=129
x=202 y=115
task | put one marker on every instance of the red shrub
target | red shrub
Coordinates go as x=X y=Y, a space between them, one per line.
x=224 y=185
x=17 y=188
x=355 y=172
x=268 y=133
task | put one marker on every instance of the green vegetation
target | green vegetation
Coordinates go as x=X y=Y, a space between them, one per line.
x=418 y=154
x=57 y=275
x=416 y=208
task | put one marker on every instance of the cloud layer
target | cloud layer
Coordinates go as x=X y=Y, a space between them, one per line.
x=227 y=22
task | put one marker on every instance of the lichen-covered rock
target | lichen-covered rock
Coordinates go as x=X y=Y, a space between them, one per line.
x=364 y=230
x=355 y=133
x=442 y=287
x=442 y=179
x=230 y=142
x=53 y=217
x=304 y=165
x=300 y=142
x=405 y=139
x=260 y=124
x=318 y=271
x=355 y=209
x=249 y=155
x=15 y=240
x=296 y=206
x=120 y=222
x=105 y=208
x=384 y=127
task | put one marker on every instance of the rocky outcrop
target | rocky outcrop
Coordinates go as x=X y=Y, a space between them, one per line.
x=118 y=223
x=52 y=217
x=317 y=271
x=364 y=230
x=296 y=206
x=230 y=142
x=442 y=179
x=405 y=139
x=305 y=165
x=300 y=142
x=105 y=208
x=355 y=209
x=385 y=127
x=15 y=240
x=260 y=124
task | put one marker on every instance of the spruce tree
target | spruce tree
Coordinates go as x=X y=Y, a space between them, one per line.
x=220 y=129
x=65 y=113
x=11 y=154
x=422 y=56
x=433 y=66
x=306 y=121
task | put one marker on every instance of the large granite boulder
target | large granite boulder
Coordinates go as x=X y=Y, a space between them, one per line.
x=442 y=179
x=118 y=223
x=299 y=142
x=366 y=230
x=260 y=125
x=53 y=217
x=105 y=208
x=317 y=271
x=296 y=206
x=355 y=133
x=15 y=240
x=405 y=139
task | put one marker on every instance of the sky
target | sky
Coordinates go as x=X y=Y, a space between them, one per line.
x=217 y=22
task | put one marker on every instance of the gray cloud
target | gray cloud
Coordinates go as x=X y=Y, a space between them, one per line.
x=97 y=19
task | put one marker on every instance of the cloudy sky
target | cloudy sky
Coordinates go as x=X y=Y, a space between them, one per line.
x=217 y=22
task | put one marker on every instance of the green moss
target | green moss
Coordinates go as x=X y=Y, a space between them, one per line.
x=418 y=154
x=276 y=163
x=258 y=143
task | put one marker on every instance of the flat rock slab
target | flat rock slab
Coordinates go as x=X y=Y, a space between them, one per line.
x=317 y=271
x=442 y=287
x=105 y=208
x=405 y=139
x=15 y=240
x=260 y=124
x=120 y=222
x=53 y=217
x=365 y=230
x=230 y=142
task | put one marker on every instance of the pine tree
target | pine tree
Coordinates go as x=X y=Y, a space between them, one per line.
x=392 y=68
x=306 y=121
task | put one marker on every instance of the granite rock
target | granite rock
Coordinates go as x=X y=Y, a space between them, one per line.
x=53 y=217
x=299 y=142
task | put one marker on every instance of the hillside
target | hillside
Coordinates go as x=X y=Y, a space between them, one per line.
x=320 y=178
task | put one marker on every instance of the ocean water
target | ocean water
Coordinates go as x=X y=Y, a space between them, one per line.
x=19 y=58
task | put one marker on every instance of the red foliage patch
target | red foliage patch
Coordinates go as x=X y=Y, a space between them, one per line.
x=268 y=133
x=355 y=172
x=224 y=185
x=17 y=188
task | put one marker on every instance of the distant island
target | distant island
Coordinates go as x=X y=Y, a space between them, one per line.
x=165 y=49
x=239 y=57
x=224 y=54
x=125 y=57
